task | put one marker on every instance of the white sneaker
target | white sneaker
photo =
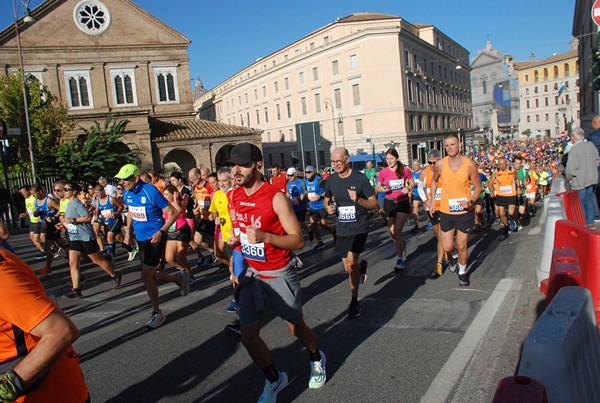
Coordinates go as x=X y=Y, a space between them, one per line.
x=317 y=373
x=132 y=254
x=156 y=320
x=269 y=393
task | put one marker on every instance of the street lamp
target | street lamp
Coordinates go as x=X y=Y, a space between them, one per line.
x=28 y=19
x=341 y=121
x=329 y=104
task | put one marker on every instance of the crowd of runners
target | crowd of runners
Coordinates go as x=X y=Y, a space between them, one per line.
x=249 y=221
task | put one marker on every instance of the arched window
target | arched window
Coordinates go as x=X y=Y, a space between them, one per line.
x=536 y=76
x=545 y=74
x=555 y=71
x=567 y=70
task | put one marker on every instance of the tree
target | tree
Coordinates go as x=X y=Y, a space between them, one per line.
x=47 y=117
x=99 y=152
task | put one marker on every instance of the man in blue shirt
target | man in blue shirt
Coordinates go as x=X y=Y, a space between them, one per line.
x=315 y=186
x=147 y=207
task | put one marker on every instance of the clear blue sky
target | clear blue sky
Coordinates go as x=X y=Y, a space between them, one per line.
x=230 y=35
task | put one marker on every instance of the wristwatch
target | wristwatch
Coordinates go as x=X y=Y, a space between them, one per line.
x=74 y=220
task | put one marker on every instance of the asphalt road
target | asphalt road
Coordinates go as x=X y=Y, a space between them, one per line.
x=418 y=339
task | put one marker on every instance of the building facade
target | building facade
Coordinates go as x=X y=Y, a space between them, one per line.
x=549 y=94
x=495 y=93
x=366 y=82
x=111 y=57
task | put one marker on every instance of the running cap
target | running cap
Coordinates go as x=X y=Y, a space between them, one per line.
x=244 y=153
x=309 y=168
x=127 y=170
x=291 y=171
x=526 y=166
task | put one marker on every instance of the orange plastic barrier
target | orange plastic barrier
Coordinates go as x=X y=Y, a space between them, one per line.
x=520 y=389
x=564 y=271
x=586 y=243
x=572 y=205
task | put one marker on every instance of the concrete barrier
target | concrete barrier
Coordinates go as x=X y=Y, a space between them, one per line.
x=553 y=211
x=559 y=185
x=562 y=350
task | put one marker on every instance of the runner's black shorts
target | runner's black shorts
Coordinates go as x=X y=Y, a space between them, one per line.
x=393 y=206
x=462 y=222
x=35 y=227
x=183 y=234
x=434 y=218
x=115 y=226
x=300 y=215
x=505 y=201
x=88 y=247
x=322 y=213
x=150 y=253
x=355 y=243
x=206 y=227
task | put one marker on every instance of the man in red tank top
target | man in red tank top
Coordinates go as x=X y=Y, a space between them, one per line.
x=269 y=231
x=456 y=208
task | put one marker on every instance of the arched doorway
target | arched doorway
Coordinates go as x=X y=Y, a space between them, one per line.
x=223 y=155
x=178 y=160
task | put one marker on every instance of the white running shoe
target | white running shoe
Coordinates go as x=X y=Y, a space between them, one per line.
x=317 y=372
x=156 y=320
x=184 y=282
x=132 y=254
x=269 y=393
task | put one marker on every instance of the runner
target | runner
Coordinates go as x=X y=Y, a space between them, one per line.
x=278 y=178
x=38 y=363
x=77 y=220
x=146 y=206
x=35 y=226
x=179 y=233
x=434 y=217
x=296 y=191
x=46 y=208
x=416 y=199
x=456 y=207
x=134 y=248
x=110 y=209
x=504 y=181
x=350 y=196
x=395 y=181
x=109 y=189
x=268 y=235
x=317 y=214
x=521 y=173
x=205 y=228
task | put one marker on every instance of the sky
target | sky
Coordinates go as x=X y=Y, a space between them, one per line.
x=229 y=35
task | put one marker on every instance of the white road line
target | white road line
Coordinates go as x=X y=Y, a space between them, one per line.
x=450 y=373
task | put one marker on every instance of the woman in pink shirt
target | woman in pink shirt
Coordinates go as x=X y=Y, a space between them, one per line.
x=396 y=182
x=179 y=234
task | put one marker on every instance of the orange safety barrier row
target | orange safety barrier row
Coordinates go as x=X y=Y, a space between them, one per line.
x=564 y=271
x=572 y=206
x=582 y=267
x=520 y=389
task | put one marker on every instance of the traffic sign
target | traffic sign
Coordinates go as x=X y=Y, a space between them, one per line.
x=13 y=131
x=596 y=12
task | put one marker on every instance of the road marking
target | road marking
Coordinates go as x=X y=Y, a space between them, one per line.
x=537 y=229
x=444 y=382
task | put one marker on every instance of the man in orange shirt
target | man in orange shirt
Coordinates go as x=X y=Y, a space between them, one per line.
x=504 y=181
x=456 y=207
x=37 y=362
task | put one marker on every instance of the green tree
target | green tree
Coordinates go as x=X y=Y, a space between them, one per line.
x=100 y=152
x=47 y=117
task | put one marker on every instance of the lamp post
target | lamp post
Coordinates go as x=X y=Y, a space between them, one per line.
x=28 y=19
x=329 y=104
x=341 y=121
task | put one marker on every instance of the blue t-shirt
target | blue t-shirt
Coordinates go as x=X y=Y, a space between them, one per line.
x=316 y=186
x=416 y=176
x=296 y=188
x=145 y=205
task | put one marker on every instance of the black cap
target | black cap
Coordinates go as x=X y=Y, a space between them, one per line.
x=244 y=153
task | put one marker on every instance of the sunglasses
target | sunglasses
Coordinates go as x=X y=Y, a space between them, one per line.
x=431 y=162
x=119 y=188
x=66 y=189
x=58 y=190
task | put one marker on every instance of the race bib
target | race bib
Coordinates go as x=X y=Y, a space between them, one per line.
x=138 y=213
x=455 y=206
x=173 y=227
x=312 y=196
x=506 y=189
x=72 y=228
x=204 y=203
x=252 y=251
x=347 y=214
x=106 y=213
x=396 y=184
